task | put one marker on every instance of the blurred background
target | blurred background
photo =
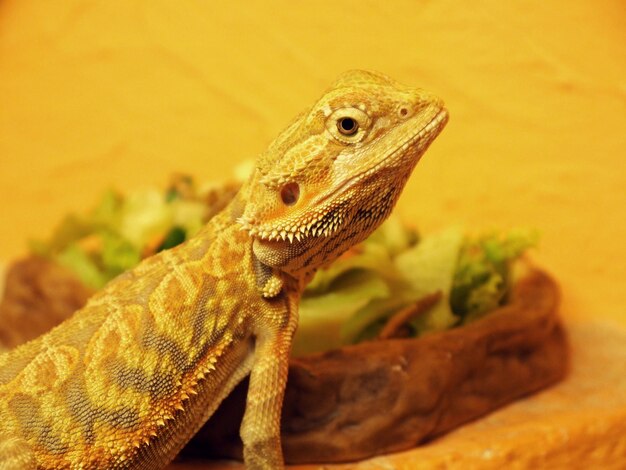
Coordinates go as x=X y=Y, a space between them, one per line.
x=97 y=94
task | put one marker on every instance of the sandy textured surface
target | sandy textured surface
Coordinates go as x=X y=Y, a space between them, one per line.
x=99 y=93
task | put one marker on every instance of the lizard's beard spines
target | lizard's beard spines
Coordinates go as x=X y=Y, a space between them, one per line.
x=319 y=224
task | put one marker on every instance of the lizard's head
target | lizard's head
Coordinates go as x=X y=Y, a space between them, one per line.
x=336 y=172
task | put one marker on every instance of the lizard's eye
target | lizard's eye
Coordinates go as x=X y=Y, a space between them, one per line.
x=290 y=193
x=347 y=126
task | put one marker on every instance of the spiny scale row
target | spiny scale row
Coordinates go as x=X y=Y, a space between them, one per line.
x=122 y=455
x=315 y=227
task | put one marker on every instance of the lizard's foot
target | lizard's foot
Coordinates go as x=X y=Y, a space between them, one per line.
x=263 y=455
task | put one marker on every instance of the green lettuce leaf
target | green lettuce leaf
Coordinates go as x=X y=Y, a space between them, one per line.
x=144 y=215
x=386 y=272
x=322 y=316
x=87 y=270
x=118 y=254
x=429 y=267
x=112 y=237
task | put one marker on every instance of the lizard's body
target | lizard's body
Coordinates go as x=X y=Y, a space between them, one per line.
x=131 y=377
x=164 y=367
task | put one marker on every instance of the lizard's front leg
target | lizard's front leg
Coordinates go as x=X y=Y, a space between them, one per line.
x=260 y=430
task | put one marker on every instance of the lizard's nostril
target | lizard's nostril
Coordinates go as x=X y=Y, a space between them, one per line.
x=290 y=193
x=404 y=111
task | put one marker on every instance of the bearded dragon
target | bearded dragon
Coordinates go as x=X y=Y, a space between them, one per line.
x=130 y=377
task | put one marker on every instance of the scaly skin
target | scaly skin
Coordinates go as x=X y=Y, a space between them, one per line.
x=131 y=377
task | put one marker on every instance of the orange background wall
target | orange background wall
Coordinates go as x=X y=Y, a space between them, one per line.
x=101 y=93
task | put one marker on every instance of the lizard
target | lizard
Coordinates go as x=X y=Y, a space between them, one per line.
x=129 y=378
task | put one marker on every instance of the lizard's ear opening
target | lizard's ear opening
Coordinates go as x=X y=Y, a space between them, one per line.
x=290 y=193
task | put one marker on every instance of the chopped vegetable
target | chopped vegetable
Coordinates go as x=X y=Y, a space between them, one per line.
x=118 y=254
x=407 y=270
x=322 y=316
x=82 y=265
x=121 y=230
x=174 y=237
x=481 y=277
x=391 y=270
x=429 y=267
